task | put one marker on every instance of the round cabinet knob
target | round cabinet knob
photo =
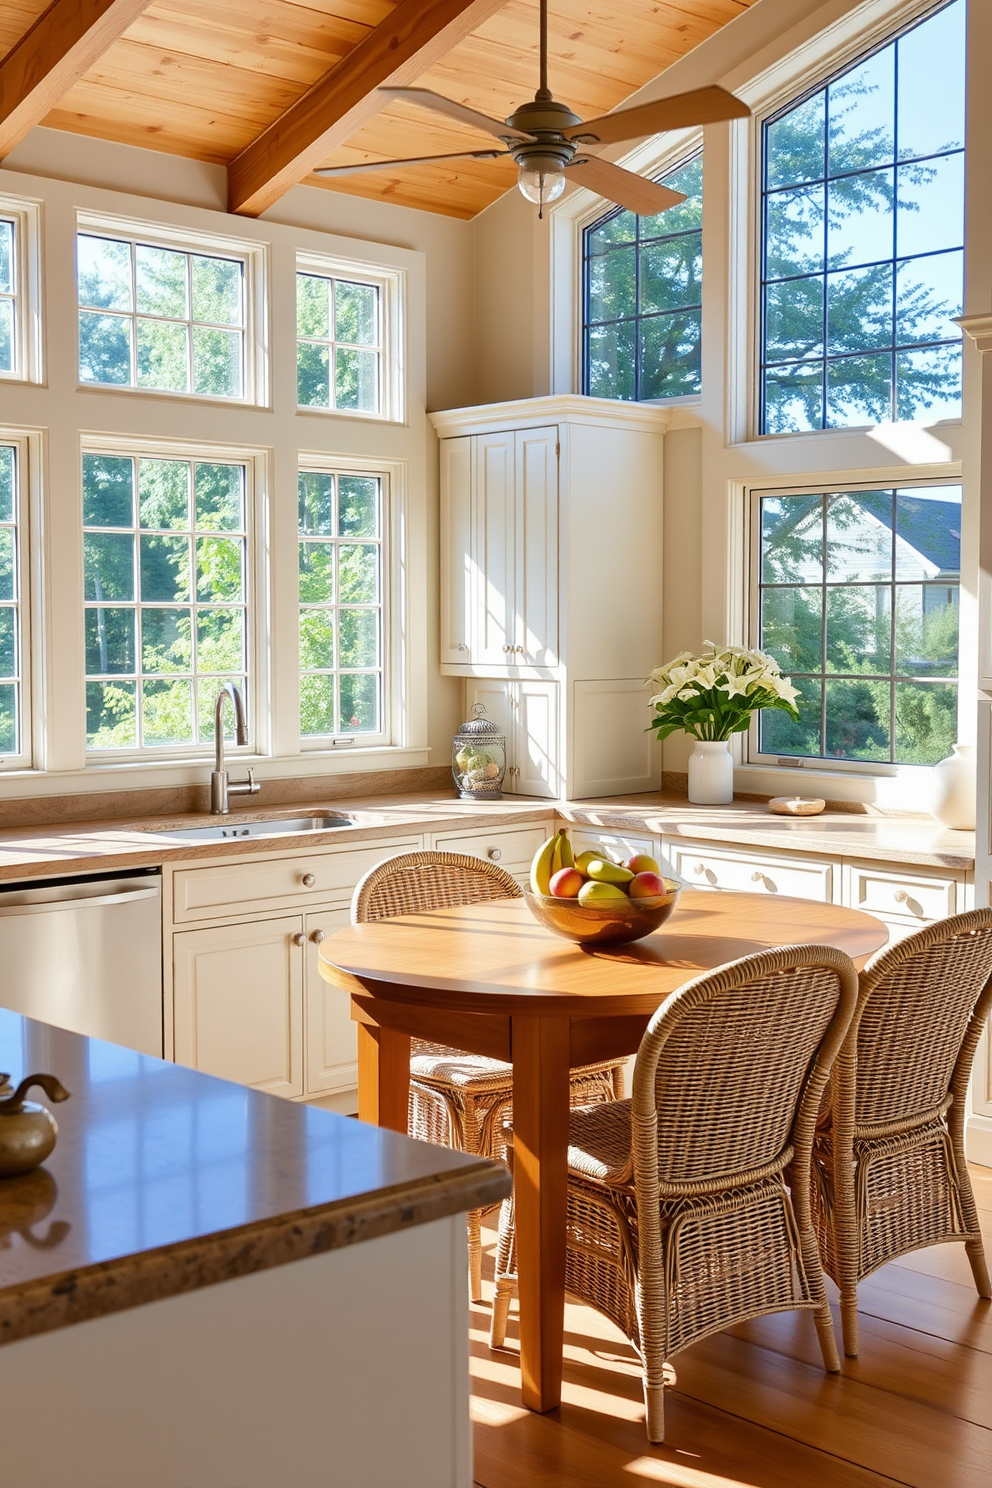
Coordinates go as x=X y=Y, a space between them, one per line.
x=316 y=936
x=308 y=880
x=462 y=646
x=299 y=938
x=901 y=897
x=507 y=648
x=495 y=854
x=699 y=869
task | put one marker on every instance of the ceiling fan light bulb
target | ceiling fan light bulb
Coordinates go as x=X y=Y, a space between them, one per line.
x=541 y=180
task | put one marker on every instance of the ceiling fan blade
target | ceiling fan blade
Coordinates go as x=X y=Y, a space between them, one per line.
x=701 y=106
x=460 y=111
x=376 y=165
x=621 y=186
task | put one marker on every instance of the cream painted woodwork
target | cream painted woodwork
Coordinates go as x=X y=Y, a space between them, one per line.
x=703 y=866
x=331 y=1036
x=238 y=999
x=513 y=848
x=551 y=542
x=528 y=711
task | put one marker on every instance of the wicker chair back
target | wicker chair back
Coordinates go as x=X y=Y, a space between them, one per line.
x=917 y=1001
x=417 y=882
x=729 y=1059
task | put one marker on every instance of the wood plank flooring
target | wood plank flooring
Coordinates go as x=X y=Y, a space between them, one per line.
x=752 y=1408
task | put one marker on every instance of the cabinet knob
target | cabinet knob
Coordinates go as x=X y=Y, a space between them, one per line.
x=495 y=854
x=308 y=880
x=507 y=648
x=699 y=869
x=299 y=938
x=462 y=646
x=520 y=649
x=757 y=876
x=901 y=897
x=316 y=936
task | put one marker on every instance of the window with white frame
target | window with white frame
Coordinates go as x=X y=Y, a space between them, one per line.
x=863 y=233
x=642 y=297
x=162 y=317
x=9 y=330
x=341 y=579
x=14 y=722
x=349 y=339
x=166 y=546
x=856 y=596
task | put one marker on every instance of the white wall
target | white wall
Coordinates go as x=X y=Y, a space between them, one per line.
x=446 y=246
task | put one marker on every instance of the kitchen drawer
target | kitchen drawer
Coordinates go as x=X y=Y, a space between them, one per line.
x=701 y=866
x=242 y=887
x=905 y=897
x=510 y=847
x=619 y=845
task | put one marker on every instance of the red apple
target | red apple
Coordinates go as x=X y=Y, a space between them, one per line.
x=566 y=883
x=641 y=863
x=646 y=886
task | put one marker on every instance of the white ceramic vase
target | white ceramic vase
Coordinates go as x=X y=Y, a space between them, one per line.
x=954 y=781
x=711 y=773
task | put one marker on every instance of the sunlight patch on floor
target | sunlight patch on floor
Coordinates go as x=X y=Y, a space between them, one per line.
x=679 y=1474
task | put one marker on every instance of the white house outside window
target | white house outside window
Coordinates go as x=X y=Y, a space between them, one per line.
x=863 y=233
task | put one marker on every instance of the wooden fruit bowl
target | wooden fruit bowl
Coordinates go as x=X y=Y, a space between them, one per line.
x=604 y=924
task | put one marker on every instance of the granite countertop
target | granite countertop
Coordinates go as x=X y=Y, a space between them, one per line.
x=165 y=1180
x=95 y=846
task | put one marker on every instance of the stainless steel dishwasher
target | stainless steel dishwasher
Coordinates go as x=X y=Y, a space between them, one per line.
x=85 y=953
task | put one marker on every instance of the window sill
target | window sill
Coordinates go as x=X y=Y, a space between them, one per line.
x=901 y=788
x=152 y=774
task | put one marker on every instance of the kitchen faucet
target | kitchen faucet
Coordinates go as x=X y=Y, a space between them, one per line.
x=221 y=787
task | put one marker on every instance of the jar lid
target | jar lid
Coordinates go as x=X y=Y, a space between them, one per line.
x=480 y=726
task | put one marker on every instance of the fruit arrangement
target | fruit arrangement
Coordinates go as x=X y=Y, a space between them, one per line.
x=477 y=766
x=593 y=879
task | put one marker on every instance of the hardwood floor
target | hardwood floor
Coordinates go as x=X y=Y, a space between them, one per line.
x=752 y=1408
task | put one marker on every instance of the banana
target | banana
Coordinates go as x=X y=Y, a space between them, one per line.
x=556 y=855
x=541 y=868
x=567 y=855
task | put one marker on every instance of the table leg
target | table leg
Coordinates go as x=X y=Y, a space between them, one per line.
x=540 y=1149
x=383 y=1076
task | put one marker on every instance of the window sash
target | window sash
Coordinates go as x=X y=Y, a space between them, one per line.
x=17 y=604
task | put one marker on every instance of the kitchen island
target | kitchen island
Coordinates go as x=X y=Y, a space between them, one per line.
x=205 y=1285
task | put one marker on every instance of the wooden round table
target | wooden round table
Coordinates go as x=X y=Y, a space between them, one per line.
x=488 y=979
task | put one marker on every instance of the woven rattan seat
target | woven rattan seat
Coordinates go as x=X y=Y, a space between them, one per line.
x=889 y=1171
x=688 y=1205
x=456 y=1099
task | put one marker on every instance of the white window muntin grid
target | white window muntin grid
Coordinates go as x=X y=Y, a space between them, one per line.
x=333 y=343
x=752 y=546
x=10 y=295
x=382 y=671
x=253 y=587
x=134 y=315
x=392 y=287
x=17 y=603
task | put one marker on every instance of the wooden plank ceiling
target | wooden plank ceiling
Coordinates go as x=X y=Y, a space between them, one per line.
x=204 y=78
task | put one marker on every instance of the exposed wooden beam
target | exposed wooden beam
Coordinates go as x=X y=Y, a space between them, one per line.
x=62 y=45
x=405 y=45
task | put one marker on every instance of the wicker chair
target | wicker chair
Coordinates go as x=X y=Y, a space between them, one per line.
x=889 y=1173
x=680 y=1220
x=461 y=1100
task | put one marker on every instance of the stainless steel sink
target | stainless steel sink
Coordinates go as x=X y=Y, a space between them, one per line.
x=273 y=827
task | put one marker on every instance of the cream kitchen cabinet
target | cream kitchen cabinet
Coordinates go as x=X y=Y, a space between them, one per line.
x=513 y=848
x=551 y=543
x=238 y=1000
x=331 y=1036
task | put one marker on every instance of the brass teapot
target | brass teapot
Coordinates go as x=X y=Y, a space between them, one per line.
x=28 y=1132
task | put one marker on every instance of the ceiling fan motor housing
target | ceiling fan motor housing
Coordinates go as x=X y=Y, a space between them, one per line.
x=546 y=120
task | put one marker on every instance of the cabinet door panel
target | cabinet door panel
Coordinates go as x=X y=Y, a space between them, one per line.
x=536 y=468
x=537 y=747
x=332 y=1039
x=493 y=542
x=238 y=994
x=456 y=549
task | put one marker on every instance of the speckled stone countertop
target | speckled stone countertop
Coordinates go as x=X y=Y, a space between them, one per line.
x=95 y=846
x=165 y=1180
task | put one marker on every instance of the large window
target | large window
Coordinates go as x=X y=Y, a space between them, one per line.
x=165 y=545
x=863 y=214
x=857 y=599
x=12 y=700
x=642 y=306
x=341 y=604
x=339 y=325
x=157 y=317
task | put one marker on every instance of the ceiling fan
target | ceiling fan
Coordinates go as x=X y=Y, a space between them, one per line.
x=544 y=138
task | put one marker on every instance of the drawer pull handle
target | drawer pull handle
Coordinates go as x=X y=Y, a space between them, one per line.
x=700 y=868
x=495 y=854
x=901 y=897
x=308 y=880
x=316 y=936
x=299 y=938
x=757 y=877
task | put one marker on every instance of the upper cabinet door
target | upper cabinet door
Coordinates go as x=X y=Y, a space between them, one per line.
x=457 y=557
x=493 y=549
x=536 y=557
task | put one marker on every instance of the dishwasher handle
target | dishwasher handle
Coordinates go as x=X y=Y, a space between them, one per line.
x=98 y=901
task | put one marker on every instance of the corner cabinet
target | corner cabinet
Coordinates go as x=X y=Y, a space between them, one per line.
x=551 y=605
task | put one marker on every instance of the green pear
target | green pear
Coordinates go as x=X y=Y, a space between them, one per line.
x=606 y=872
x=593 y=893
